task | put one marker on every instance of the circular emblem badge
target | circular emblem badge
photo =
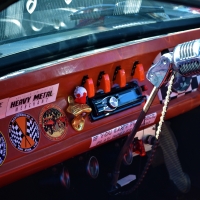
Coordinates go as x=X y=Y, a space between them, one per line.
x=3 y=149
x=24 y=132
x=53 y=122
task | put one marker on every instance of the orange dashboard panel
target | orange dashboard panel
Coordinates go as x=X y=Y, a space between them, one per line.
x=53 y=113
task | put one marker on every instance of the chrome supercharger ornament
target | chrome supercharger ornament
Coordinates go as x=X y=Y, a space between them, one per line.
x=185 y=59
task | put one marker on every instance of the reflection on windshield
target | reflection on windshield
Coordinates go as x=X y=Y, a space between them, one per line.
x=33 y=17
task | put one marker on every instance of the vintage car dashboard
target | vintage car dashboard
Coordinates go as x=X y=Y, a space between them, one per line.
x=41 y=125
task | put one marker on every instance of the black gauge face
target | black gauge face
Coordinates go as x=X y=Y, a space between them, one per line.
x=181 y=83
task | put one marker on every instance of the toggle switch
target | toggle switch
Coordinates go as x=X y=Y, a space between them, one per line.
x=120 y=77
x=89 y=86
x=138 y=71
x=103 y=82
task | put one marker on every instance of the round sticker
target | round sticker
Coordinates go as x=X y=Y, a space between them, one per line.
x=24 y=132
x=3 y=149
x=53 y=122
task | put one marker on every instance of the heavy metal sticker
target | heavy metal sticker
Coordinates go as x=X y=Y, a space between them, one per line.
x=53 y=122
x=32 y=99
x=3 y=149
x=24 y=132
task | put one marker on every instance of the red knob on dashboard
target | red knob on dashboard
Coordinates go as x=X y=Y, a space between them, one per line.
x=105 y=83
x=139 y=72
x=121 y=78
x=89 y=86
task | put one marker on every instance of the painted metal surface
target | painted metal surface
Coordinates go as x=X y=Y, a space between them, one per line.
x=68 y=73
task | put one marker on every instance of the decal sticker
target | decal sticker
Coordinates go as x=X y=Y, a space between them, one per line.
x=32 y=99
x=31 y=5
x=119 y=130
x=3 y=106
x=24 y=132
x=192 y=87
x=53 y=122
x=68 y=1
x=3 y=149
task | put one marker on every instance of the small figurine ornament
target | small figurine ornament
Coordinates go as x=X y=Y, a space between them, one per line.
x=79 y=111
x=78 y=108
x=80 y=94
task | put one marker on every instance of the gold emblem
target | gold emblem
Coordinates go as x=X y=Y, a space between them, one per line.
x=80 y=112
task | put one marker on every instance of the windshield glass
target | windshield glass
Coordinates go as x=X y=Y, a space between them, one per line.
x=31 y=24
x=33 y=17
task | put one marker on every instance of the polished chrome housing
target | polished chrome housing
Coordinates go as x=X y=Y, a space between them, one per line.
x=186 y=58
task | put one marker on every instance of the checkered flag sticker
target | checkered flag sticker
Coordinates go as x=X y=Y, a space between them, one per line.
x=195 y=81
x=15 y=134
x=24 y=132
x=32 y=129
x=3 y=149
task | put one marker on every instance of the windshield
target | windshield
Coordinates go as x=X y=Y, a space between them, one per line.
x=74 y=25
x=34 y=17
